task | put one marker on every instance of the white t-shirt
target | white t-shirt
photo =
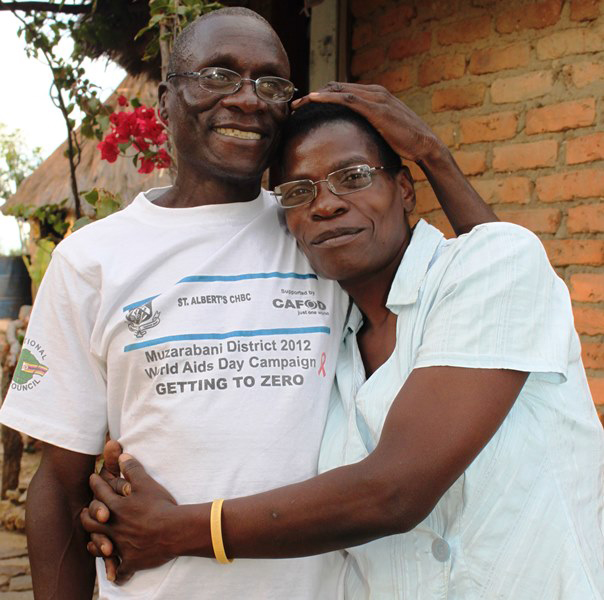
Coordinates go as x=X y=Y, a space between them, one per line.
x=525 y=520
x=201 y=339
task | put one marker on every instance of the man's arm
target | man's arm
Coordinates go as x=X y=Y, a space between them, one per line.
x=61 y=567
x=412 y=139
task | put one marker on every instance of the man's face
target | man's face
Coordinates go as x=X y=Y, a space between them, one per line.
x=207 y=127
x=358 y=235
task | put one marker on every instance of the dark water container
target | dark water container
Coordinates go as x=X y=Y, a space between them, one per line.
x=15 y=286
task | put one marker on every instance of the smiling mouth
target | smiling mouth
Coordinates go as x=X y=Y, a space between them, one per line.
x=335 y=237
x=238 y=133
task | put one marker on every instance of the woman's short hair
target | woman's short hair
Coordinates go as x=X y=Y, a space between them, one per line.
x=317 y=114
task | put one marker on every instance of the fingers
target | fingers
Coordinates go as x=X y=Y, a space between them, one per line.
x=132 y=470
x=99 y=511
x=111 y=562
x=120 y=486
x=102 y=491
x=111 y=453
x=100 y=545
x=92 y=525
x=111 y=567
x=344 y=93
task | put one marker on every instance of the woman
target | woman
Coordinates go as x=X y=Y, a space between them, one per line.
x=461 y=425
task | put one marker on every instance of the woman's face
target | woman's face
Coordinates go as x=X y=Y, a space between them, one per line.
x=353 y=236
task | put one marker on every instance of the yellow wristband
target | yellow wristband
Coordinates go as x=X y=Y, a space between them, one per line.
x=216 y=532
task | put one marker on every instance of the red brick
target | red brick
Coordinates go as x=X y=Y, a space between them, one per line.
x=588 y=183
x=363 y=8
x=428 y=10
x=585 y=149
x=487 y=128
x=531 y=16
x=447 y=133
x=416 y=172
x=587 y=218
x=575 y=252
x=508 y=190
x=538 y=220
x=361 y=35
x=531 y=155
x=396 y=81
x=471 y=162
x=596 y=386
x=571 y=41
x=439 y=68
x=587 y=287
x=489 y=60
x=395 y=19
x=559 y=117
x=405 y=46
x=593 y=356
x=521 y=87
x=589 y=320
x=465 y=31
x=425 y=198
x=585 y=73
x=458 y=98
x=367 y=60
x=584 y=10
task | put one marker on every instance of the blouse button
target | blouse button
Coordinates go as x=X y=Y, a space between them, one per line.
x=441 y=550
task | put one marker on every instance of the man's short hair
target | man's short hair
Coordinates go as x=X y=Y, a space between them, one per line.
x=318 y=114
x=185 y=37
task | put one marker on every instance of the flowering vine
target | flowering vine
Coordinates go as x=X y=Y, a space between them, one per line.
x=137 y=129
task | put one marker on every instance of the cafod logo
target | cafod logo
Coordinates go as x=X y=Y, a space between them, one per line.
x=27 y=367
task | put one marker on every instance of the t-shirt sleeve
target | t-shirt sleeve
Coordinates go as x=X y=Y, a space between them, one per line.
x=58 y=391
x=500 y=305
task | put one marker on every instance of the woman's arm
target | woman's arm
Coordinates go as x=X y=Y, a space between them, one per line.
x=412 y=139
x=439 y=422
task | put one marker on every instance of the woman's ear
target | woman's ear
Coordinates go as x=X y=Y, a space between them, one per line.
x=405 y=181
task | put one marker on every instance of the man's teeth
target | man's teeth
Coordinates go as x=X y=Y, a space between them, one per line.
x=237 y=133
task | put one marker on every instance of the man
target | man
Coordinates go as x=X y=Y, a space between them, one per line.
x=191 y=328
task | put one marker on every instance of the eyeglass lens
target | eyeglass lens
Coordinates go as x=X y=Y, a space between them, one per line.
x=225 y=81
x=341 y=182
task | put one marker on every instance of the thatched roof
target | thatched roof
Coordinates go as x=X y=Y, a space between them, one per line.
x=50 y=182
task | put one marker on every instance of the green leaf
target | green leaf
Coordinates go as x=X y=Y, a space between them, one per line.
x=92 y=196
x=135 y=102
x=106 y=206
x=103 y=122
x=80 y=223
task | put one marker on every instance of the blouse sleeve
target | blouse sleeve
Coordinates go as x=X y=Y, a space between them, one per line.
x=499 y=305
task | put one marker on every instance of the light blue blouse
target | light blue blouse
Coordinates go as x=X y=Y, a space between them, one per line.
x=525 y=521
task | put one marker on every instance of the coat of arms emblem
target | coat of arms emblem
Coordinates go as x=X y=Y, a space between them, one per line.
x=140 y=318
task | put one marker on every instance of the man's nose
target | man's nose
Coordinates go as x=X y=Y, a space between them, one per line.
x=327 y=204
x=245 y=98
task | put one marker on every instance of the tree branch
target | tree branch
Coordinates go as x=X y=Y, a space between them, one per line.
x=69 y=9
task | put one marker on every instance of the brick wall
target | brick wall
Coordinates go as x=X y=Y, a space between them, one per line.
x=516 y=89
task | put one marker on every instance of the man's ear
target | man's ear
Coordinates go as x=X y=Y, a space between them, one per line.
x=162 y=97
x=405 y=181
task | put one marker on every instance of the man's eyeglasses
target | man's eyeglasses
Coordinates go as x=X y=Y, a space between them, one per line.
x=341 y=182
x=225 y=81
